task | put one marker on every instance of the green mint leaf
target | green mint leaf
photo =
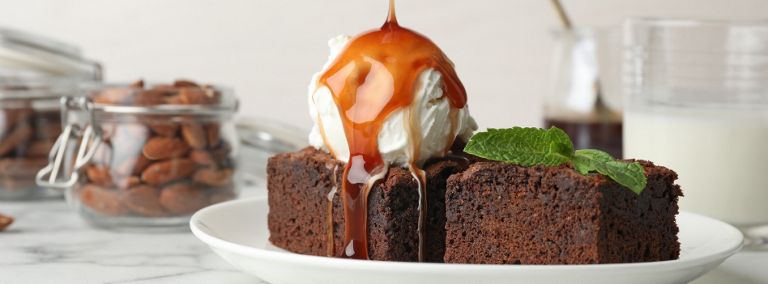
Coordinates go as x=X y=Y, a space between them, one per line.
x=630 y=175
x=552 y=147
x=588 y=160
x=522 y=146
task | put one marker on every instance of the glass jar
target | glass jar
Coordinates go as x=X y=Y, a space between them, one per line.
x=698 y=104
x=585 y=95
x=132 y=156
x=35 y=73
x=261 y=139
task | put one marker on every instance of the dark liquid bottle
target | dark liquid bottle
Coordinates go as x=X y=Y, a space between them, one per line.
x=601 y=129
x=602 y=135
x=585 y=100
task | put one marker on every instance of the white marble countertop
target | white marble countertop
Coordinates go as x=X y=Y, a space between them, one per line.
x=49 y=243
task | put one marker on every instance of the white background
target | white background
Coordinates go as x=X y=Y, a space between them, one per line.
x=267 y=50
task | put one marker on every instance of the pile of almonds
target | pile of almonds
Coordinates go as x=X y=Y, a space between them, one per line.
x=154 y=165
x=26 y=137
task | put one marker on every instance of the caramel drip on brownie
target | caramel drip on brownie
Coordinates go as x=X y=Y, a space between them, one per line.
x=421 y=179
x=330 y=244
x=372 y=78
x=413 y=129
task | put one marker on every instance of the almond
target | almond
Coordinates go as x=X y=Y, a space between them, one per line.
x=101 y=200
x=9 y=118
x=139 y=84
x=39 y=149
x=162 y=125
x=202 y=157
x=115 y=96
x=216 y=178
x=184 y=83
x=174 y=100
x=195 y=135
x=214 y=95
x=214 y=134
x=47 y=126
x=164 y=129
x=15 y=138
x=165 y=87
x=183 y=198
x=99 y=174
x=141 y=163
x=144 y=200
x=193 y=96
x=5 y=221
x=153 y=97
x=168 y=171
x=160 y=148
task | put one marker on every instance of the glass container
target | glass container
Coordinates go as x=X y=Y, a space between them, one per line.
x=698 y=104
x=35 y=73
x=585 y=98
x=146 y=157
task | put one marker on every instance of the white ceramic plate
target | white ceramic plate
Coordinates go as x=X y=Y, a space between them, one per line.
x=237 y=230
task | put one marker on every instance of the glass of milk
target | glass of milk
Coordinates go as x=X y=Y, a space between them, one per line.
x=697 y=103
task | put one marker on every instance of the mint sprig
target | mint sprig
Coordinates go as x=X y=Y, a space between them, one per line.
x=631 y=175
x=552 y=147
x=522 y=146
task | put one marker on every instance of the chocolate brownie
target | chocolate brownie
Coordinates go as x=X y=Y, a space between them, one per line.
x=507 y=214
x=299 y=184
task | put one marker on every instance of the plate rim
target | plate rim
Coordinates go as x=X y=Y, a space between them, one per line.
x=724 y=251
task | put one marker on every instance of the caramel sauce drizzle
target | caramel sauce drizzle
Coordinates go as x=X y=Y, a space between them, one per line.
x=330 y=245
x=375 y=76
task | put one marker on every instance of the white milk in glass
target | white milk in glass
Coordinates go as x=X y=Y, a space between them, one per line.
x=720 y=155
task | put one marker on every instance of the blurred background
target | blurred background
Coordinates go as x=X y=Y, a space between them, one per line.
x=268 y=50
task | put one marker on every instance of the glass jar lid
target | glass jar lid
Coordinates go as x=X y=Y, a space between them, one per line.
x=32 y=66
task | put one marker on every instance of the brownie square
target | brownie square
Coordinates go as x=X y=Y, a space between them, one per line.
x=507 y=214
x=298 y=187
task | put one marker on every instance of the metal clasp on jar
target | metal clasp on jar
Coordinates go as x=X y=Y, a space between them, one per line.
x=57 y=174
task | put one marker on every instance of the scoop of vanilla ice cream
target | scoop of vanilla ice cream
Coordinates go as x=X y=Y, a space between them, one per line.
x=430 y=107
